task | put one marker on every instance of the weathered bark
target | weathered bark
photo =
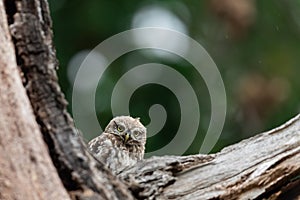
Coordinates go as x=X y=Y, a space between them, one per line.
x=26 y=170
x=83 y=176
x=265 y=166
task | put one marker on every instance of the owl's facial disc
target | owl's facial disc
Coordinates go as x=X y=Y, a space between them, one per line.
x=128 y=129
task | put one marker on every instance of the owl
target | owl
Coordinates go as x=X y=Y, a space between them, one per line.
x=121 y=144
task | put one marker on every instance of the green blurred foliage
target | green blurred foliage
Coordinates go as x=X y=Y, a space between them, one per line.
x=258 y=59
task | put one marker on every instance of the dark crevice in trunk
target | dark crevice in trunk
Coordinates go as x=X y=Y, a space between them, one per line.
x=10 y=8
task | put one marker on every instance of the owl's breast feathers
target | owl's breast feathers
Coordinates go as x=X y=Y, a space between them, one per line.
x=112 y=151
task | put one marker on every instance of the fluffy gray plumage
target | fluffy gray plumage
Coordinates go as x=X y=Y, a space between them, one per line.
x=121 y=144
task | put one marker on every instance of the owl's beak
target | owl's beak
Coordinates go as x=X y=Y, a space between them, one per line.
x=127 y=136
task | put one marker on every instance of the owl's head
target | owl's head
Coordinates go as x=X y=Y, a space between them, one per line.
x=129 y=129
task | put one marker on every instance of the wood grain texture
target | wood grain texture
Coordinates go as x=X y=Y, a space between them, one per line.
x=256 y=168
x=26 y=169
x=83 y=177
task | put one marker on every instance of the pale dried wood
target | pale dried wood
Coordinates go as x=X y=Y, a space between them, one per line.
x=255 y=168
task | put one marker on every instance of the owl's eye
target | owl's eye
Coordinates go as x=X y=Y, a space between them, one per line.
x=120 y=128
x=136 y=133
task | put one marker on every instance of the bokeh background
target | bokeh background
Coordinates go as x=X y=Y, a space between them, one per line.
x=255 y=44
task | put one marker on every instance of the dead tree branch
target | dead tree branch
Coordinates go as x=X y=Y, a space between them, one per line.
x=255 y=168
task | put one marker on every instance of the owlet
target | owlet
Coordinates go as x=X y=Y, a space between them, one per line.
x=121 y=144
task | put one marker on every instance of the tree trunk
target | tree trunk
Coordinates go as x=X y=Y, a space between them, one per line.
x=32 y=120
x=26 y=170
x=83 y=177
